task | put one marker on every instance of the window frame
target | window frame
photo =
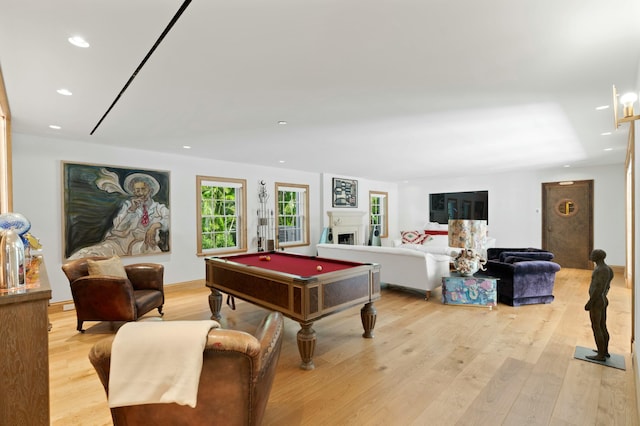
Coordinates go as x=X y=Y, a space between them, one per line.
x=241 y=214
x=384 y=233
x=279 y=186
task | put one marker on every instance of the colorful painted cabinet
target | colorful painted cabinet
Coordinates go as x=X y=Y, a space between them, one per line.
x=475 y=290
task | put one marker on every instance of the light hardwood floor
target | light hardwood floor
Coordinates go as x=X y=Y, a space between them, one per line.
x=429 y=364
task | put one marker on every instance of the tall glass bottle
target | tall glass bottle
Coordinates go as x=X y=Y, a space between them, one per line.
x=11 y=261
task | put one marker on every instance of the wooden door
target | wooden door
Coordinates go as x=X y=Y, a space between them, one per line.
x=567 y=222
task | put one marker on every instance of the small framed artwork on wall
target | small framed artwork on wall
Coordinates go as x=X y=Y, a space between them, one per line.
x=345 y=192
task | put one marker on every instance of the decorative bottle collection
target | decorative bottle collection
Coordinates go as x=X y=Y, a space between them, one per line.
x=13 y=246
x=11 y=261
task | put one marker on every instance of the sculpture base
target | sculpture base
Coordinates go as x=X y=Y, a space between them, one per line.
x=615 y=361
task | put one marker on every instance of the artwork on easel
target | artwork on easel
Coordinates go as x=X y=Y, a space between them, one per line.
x=345 y=192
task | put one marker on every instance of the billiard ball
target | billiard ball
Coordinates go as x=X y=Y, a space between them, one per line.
x=319 y=268
x=268 y=258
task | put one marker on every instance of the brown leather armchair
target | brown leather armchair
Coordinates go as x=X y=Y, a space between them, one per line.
x=237 y=374
x=108 y=298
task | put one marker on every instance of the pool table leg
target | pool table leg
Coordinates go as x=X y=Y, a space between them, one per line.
x=215 y=304
x=306 y=345
x=368 y=316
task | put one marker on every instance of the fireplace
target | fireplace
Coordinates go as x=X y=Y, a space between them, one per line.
x=347 y=239
x=347 y=227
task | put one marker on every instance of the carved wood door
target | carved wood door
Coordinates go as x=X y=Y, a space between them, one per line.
x=567 y=222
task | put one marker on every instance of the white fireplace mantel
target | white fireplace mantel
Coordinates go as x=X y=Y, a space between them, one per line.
x=347 y=222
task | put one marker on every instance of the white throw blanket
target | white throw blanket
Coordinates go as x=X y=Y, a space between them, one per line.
x=157 y=362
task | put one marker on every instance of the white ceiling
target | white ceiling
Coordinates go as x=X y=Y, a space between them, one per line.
x=388 y=90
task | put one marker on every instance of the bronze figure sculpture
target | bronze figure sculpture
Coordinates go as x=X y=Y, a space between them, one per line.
x=597 y=304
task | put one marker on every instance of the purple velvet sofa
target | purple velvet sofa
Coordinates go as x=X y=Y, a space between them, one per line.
x=526 y=276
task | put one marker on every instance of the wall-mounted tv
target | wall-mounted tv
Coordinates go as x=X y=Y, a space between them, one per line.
x=458 y=205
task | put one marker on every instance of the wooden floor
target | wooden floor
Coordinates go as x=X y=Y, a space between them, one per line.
x=429 y=364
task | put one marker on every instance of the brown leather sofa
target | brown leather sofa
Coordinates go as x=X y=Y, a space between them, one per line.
x=109 y=298
x=235 y=383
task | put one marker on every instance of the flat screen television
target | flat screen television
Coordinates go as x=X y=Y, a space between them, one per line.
x=458 y=205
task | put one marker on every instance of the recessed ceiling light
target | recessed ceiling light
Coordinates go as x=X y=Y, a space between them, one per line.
x=567 y=165
x=281 y=161
x=282 y=123
x=605 y=134
x=64 y=92
x=54 y=126
x=186 y=146
x=608 y=149
x=601 y=107
x=78 y=41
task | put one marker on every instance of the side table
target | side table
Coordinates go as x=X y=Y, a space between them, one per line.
x=475 y=290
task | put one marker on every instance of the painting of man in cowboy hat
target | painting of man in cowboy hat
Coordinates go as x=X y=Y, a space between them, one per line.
x=119 y=212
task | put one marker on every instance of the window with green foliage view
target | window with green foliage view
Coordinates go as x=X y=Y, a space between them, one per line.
x=293 y=219
x=221 y=226
x=378 y=212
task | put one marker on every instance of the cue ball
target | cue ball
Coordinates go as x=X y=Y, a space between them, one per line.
x=319 y=268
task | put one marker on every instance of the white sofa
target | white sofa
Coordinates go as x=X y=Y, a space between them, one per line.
x=435 y=244
x=439 y=245
x=398 y=266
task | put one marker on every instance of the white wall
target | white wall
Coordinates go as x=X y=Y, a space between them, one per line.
x=515 y=203
x=37 y=190
x=364 y=186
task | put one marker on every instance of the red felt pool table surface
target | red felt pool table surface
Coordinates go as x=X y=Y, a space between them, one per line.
x=302 y=266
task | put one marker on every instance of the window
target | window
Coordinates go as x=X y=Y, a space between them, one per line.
x=292 y=212
x=222 y=215
x=378 y=212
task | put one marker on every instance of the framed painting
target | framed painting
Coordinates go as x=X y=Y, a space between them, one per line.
x=114 y=211
x=345 y=192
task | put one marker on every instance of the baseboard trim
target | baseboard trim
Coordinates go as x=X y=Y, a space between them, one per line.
x=67 y=305
x=185 y=285
x=617 y=269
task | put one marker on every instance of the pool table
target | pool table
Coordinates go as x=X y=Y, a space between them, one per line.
x=303 y=288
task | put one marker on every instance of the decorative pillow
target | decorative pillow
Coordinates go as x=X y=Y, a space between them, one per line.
x=436 y=240
x=516 y=259
x=112 y=266
x=435 y=226
x=537 y=255
x=412 y=237
x=435 y=232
